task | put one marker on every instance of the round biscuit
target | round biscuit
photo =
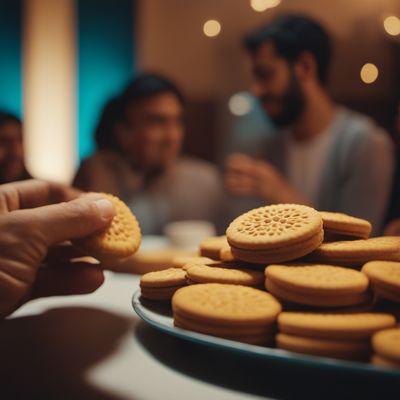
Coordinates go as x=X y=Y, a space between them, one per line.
x=357 y=252
x=284 y=254
x=274 y=226
x=334 y=325
x=317 y=301
x=180 y=261
x=211 y=246
x=120 y=240
x=385 y=272
x=343 y=349
x=345 y=224
x=318 y=279
x=386 y=343
x=232 y=305
x=206 y=274
x=164 y=278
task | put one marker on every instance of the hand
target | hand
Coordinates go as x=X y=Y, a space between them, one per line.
x=35 y=218
x=247 y=176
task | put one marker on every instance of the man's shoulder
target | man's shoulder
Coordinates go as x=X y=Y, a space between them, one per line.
x=355 y=122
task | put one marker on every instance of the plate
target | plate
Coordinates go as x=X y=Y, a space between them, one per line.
x=159 y=315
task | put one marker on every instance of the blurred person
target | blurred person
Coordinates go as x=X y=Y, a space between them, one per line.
x=35 y=218
x=12 y=167
x=323 y=154
x=138 y=158
x=393 y=214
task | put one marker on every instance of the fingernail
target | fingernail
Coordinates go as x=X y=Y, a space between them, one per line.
x=106 y=208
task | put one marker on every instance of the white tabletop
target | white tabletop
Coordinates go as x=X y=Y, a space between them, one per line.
x=95 y=346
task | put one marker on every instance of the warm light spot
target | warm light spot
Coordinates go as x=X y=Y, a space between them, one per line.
x=240 y=103
x=369 y=73
x=262 y=5
x=212 y=28
x=392 y=25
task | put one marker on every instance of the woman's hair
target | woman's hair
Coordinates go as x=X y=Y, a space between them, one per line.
x=140 y=88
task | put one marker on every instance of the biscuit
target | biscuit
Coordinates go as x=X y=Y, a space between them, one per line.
x=386 y=343
x=321 y=280
x=211 y=247
x=216 y=330
x=279 y=255
x=384 y=362
x=161 y=285
x=206 y=274
x=227 y=305
x=355 y=253
x=274 y=227
x=346 y=225
x=256 y=339
x=385 y=278
x=342 y=349
x=318 y=301
x=180 y=261
x=334 y=326
x=146 y=260
x=120 y=240
x=225 y=253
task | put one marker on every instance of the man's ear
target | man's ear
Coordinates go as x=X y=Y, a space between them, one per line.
x=305 y=67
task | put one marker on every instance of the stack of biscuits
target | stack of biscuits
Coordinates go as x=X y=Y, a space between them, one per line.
x=333 y=283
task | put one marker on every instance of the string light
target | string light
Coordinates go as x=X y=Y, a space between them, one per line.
x=262 y=5
x=392 y=25
x=369 y=73
x=212 y=28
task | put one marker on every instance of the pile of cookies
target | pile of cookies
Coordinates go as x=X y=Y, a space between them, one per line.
x=287 y=275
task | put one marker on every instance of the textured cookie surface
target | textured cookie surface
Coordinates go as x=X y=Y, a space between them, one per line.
x=334 y=326
x=164 y=278
x=120 y=240
x=206 y=274
x=318 y=279
x=346 y=224
x=274 y=226
x=226 y=304
x=387 y=344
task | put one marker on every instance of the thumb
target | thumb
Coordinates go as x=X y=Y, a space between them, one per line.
x=72 y=220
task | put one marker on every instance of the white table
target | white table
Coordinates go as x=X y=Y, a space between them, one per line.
x=95 y=347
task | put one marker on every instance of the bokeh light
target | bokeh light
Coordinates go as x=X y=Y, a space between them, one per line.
x=369 y=73
x=392 y=25
x=262 y=5
x=240 y=103
x=212 y=28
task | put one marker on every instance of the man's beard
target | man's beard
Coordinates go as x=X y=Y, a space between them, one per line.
x=292 y=104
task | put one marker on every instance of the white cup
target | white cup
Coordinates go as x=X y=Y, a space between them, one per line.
x=188 y=234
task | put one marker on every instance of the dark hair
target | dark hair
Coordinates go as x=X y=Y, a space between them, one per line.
x=6 y=117
x=291 y=36
x=140 y=88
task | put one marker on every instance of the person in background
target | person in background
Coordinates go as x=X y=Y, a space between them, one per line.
x=323 y=154
x=138 y=158
x=392 y=227
x=12 y=167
